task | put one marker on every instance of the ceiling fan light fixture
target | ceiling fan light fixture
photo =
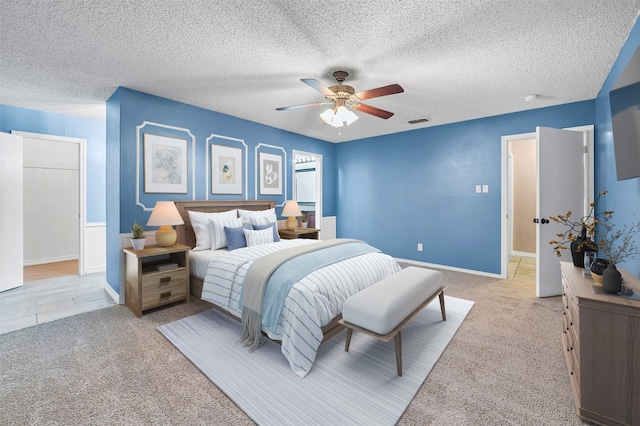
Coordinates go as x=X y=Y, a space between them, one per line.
x=339 y=117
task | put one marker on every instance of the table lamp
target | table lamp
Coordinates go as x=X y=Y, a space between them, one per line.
x=291 y=209
x=165 y=214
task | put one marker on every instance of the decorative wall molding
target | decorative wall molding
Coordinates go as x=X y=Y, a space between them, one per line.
x=284 y=172
x=94 y=258
x=138 y=171
x=245 y=172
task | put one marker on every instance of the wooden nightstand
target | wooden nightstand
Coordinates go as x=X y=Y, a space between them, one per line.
x=148 y=285
x=310 y=233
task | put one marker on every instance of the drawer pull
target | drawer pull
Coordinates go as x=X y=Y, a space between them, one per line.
x=165 y=280
x=165 y=295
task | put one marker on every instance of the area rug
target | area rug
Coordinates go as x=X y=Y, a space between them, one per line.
x=356 y=387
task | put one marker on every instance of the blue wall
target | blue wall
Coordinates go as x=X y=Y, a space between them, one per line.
x=398 y=190
x=32 y=121
x=127 y=109
x=624 y=196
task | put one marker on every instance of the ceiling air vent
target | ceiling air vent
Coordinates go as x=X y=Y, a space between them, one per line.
x=419 y=120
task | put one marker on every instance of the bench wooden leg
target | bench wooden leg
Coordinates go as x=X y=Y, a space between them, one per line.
x=444 y=314
x=398 y=340
x=346 y=345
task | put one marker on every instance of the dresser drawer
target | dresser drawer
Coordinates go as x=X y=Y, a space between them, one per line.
x=159 y=280
x=163 y=295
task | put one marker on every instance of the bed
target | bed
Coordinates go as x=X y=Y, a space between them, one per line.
x=313 y=307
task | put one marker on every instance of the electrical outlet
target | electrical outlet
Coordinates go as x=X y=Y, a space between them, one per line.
x=419 y=246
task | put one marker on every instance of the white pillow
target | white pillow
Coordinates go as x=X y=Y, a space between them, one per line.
x=218 y=235
x=264 y=220
x=202 y=228
x=246 y=215
x=257 y=238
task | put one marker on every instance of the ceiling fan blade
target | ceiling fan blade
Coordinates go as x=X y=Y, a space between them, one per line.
x=302 y=106
x=318 y=86
x=380 y=91
x=368 y=109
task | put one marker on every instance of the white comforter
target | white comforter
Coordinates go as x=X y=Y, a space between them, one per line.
x=312 y=302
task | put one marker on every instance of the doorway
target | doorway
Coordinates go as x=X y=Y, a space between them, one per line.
x=53 y=203
x=307 y=186
x=520 y=200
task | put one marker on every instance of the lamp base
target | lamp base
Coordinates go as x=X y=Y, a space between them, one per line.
x=166 y=236
x=292 y=223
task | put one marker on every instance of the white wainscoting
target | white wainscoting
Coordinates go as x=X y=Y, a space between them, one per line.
x=328 y=228
x=95 y=248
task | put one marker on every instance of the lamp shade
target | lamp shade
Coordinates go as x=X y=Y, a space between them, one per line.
x=339 y=117
x=164 y=215
x=291 y=209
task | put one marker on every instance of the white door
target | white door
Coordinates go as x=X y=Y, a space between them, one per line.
x=561 y=183
x=11 y=247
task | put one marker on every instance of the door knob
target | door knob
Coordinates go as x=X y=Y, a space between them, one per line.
x=535 y=220
x=543 y=220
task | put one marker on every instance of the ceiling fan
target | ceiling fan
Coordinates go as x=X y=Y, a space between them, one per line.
x=342 y=96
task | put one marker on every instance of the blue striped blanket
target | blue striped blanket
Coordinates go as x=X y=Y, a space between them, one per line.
x=268 y=282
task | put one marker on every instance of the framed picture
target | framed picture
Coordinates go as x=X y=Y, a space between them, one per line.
x=226 y=170
x=270 y=174
x=165 y=164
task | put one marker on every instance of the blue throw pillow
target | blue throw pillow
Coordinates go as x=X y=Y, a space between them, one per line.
x=276 y=237
x=235 y=237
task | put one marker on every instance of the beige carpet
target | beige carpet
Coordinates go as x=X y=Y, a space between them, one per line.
x=504 y=366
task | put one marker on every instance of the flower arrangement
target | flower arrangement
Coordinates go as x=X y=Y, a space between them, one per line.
x=585 y=227
x=617 y=246
x=614 y=246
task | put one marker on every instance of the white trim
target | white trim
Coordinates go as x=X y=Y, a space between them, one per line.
x=448 y=268
x=257 y=173
x=524 y=254
x=119 y=299
x=82 y=172
x=193 y=159
x=245 y=174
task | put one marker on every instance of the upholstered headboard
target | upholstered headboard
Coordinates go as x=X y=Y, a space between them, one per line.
x=185 y=232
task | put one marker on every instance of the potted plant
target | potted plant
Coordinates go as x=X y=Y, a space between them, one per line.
x=303 y=219
x=137 y=238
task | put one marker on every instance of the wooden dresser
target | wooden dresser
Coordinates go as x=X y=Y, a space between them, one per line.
x=601 y=341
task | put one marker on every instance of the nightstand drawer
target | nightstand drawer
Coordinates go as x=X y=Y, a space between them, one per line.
x=163 y=295
x=159 y=280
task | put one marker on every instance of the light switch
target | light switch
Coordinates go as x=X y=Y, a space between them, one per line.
x=478 y=189
x=485 y=188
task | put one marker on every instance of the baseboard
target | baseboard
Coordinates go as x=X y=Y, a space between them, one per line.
x=448 y=268
x=115 y=296
x=523 y=254
x=34 y=262
x=96 y=270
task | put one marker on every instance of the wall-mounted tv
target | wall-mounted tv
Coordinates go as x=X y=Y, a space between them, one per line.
x=625 y=120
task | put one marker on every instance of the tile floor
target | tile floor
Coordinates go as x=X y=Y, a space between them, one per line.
x=50 y=299
x=522 y=269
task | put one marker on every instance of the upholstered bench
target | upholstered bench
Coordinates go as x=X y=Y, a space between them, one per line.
x=383 y=309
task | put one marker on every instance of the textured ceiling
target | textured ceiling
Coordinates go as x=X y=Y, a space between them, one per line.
x=457 y=60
